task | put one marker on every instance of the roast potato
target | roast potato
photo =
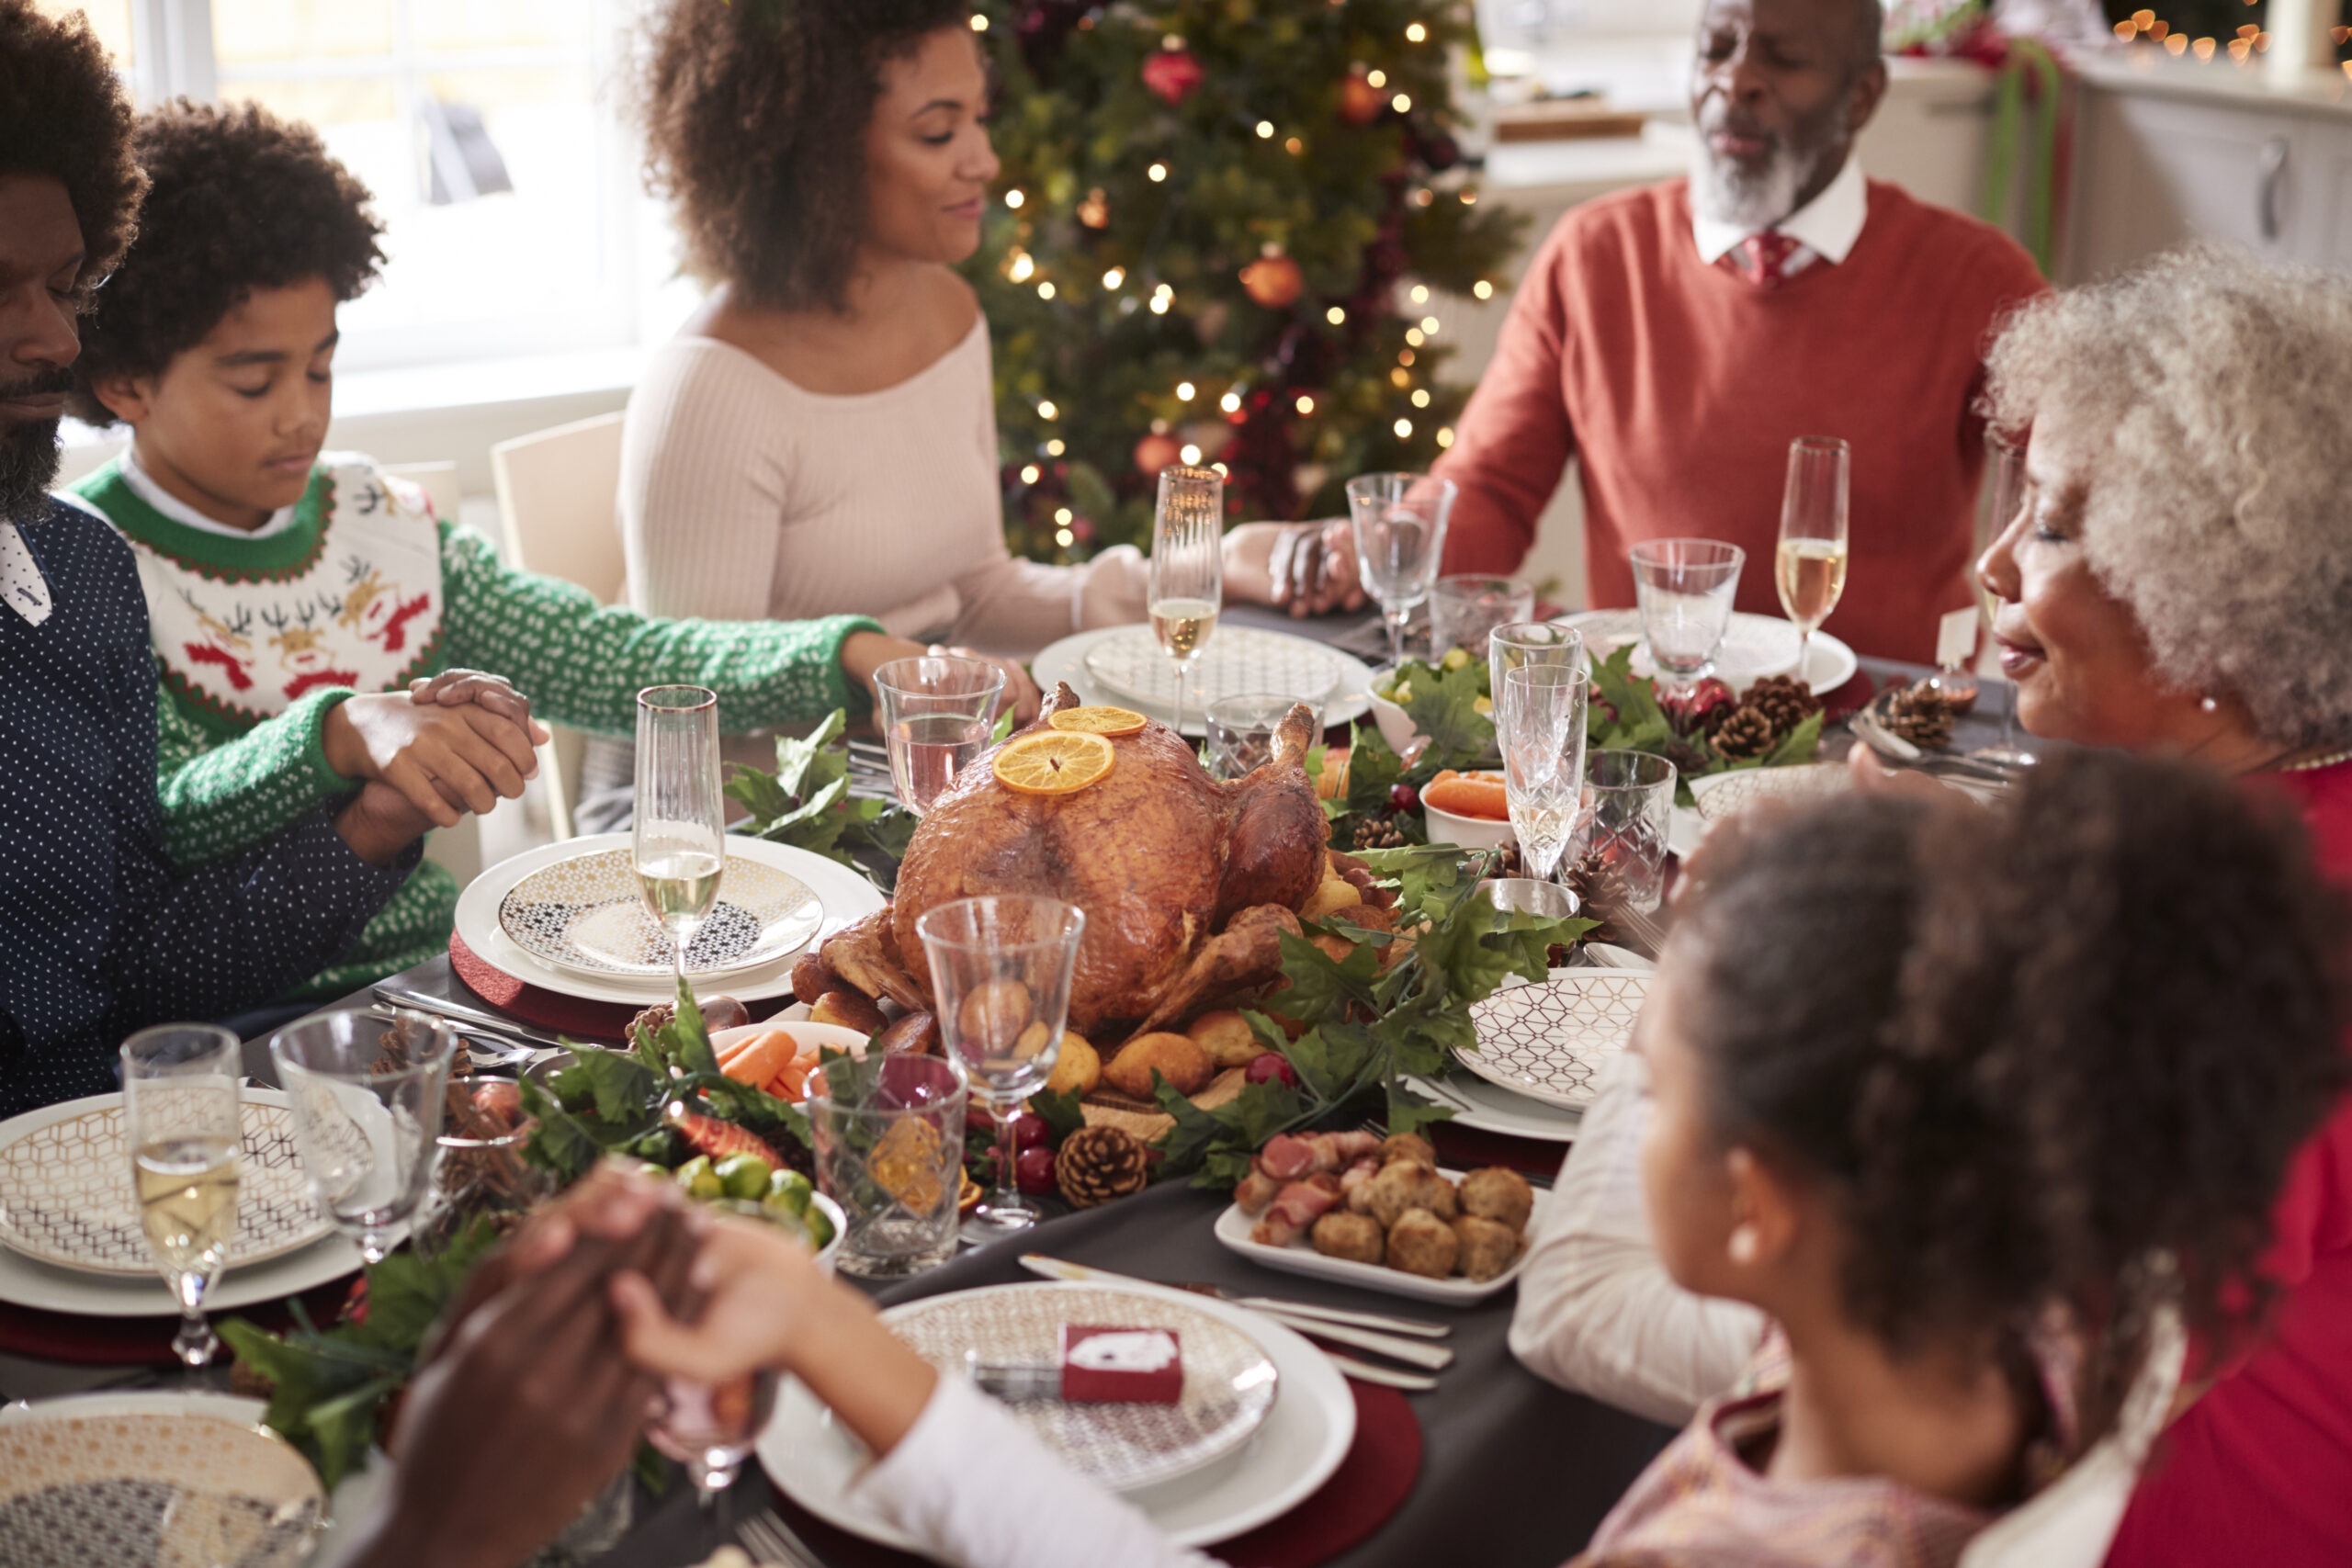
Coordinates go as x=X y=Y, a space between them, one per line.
x=1226 y=1037
x=917 y=1034
x=850 y=1009
x=812 y=977
x=1077 y=1069
x=1173 y=1056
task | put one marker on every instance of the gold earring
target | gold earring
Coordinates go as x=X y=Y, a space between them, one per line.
x=1743 y=1244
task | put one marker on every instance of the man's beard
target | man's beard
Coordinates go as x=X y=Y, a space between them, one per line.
x=29 y=451
x=1725 y=191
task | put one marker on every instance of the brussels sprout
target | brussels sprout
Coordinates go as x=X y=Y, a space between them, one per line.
x=743 y=1176
x=791 y=1189
x=820 y=1229
x=699 y=1181
x=1455 y=658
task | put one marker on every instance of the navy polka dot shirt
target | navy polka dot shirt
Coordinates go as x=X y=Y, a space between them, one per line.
x=98 y=936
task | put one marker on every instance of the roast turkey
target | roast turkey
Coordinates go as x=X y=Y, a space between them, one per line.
x=1187 y=883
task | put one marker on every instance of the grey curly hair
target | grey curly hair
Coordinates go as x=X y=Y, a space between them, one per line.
x=2220 y=510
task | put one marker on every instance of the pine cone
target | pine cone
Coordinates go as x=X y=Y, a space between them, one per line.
x=1786 y=702
x=1921 y=715
x=1747 y=733
x=1378 y=833
x=1690 y=758
x=1602 y=895
x=1097 y=1164
x=650 y=1022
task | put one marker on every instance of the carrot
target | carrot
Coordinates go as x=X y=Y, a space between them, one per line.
x=758 y=1061
x=1466 y=795
x=791 y=1079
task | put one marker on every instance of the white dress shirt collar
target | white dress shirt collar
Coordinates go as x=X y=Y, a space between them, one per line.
x=144 y=487
x=1828 y=225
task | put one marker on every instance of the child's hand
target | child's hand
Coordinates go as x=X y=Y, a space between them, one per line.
x=447 y=760
x=380 y=823
x=454 y=688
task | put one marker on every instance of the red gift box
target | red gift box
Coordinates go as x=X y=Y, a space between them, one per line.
x=1120 y=1365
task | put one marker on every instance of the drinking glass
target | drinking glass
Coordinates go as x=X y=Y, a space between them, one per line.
x=1465 y=608
x=1686 y=588
x=2008 y=494
x=368 y=1101
x=894 y=1164
x=1540 y=724
x=1629 y=808
x=1400 y=524
x=1809 y=564
x=936 y=712
x=712 y=1428
x=1515 y=646
x=999 y=971
x=1242 y=731
x=182 y=1109
x=1187 y=588
x=678 y=844
x=1525 y=896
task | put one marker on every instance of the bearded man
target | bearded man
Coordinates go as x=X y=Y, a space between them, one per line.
x=1677 y=338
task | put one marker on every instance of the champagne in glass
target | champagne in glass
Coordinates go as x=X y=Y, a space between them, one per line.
x=935 y=713
x=1187 y=567
x=678 y=845
x=183 y=1107
x=1810 y=564
x=1399 y=521
x=1540 y=727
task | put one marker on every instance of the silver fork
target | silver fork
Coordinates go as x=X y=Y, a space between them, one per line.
x=772 y=1540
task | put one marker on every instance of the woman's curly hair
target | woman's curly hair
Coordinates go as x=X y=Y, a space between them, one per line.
x=754 y=113
x=2217 y=507
x=63 y=114
x=237 y=201
x=2057 y=1057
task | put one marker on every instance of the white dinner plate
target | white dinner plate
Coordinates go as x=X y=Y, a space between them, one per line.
x=1349 y=699
x=848 y=898
x=27 y=1283
x=1491 y=1108
x=815 y=1463
x=1233 y=1229
x=1131 y=664
x=1754 y=647
x=586 y=914
x=1550 y=1041
x=1726 y=795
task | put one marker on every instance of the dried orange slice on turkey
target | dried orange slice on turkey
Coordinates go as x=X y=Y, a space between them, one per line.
x=1053 y=761
x=1098 y=720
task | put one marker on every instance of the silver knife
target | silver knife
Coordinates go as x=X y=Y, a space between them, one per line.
x=1412 y=1353
x=1365 y=1371
x=402 y=997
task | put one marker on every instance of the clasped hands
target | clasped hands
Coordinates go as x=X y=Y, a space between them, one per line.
x=452 y=743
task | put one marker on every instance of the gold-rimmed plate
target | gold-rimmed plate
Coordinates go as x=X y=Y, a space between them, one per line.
x=1550 y=1041
x=585 y=914
x=65 y=1191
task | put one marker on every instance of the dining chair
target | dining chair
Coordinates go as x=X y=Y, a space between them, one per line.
x=458 y=850
x=555 y=494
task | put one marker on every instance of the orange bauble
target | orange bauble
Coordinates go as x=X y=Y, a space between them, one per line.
x=1154 y=453
x=1359 y=101
x=1272 y=281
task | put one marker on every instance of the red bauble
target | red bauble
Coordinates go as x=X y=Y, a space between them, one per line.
x=1033 y=1171
x=1154 y=453
x=1029 y=1130
x=1359 y=101
x=1273 y=281
x=1703 y=708
x=1173 y=73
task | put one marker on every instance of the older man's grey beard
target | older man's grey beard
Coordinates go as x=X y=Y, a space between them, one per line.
x=1725 y=192
x=27 y=467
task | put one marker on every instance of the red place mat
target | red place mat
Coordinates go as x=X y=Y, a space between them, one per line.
x=1369 y=1486
x=144 y=1341
x=534 y=1004
x=1848 y=699
x=1467 y=1149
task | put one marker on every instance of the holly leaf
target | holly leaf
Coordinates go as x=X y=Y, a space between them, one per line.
x=1408 y=1113
x=997 y=732
x=806 y=763
x=757 y=793
x=1320 y=988
x=1634 y=699
x=1330 y=1060
x=1443 y=707
x=623 y=1089
x=1372 y=771
x=1419 y=872
x=686 y=1037
x=1062 y=1113
x=561 y=1144
x=1799 y=745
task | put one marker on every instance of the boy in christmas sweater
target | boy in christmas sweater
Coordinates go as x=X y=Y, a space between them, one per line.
x=287 y=587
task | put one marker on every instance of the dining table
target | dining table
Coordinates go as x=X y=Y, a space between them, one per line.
x=1512 y=1471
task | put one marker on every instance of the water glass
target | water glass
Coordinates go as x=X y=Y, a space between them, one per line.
x=1242 y=731
x=2008 y=493
x=712 y=1428
x=1186 y=591
x=1539 y=726
x=936 y=714
x=367 y=1100
x=678 y=840
x=182 y=1104
x=895 y=1166
x=1000 y=972
x=1516 y=645
x=1809 y=562
x=1629 y=802
x=1525 y=896
x=1465 y=608
x=1686 y=588
x=1400 y=522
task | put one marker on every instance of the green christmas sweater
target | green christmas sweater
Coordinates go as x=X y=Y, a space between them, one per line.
x=257 y=637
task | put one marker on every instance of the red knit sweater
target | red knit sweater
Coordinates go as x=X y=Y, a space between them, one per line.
x=1681 y=385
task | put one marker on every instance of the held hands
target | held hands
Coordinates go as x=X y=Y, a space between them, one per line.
x=449 y=745
x=1307 y=568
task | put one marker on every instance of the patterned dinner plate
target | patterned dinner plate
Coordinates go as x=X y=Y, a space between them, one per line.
x=585 y=914
x=1550 y=1041
x=1754 y=647
x=1229 y=1382
x=153 y=1486
x=1238 y=661
x=65 y=1188
x=1719 y=796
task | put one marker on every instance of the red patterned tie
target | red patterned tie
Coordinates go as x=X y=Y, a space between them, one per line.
x=1762 y=258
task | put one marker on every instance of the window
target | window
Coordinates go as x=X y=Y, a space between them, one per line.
x=486 y=130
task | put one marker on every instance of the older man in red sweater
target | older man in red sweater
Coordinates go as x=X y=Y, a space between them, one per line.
x=1678 y=337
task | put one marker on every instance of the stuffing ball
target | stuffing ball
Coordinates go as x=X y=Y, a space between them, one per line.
x=1420 y=1243
x=1487 y=1248
x=1401 y=1185
x=1356 y=1237
x=1503 y=1196
x=1408 y=1146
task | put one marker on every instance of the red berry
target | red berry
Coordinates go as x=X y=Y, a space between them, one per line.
x=1270 y=1066
x=1032 y=1172
x=1029 y=1130
x=1404 y=797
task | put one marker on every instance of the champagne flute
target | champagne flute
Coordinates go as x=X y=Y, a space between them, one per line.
x=679 y=843
x=936 y=710
x=367 y=1102
x=1809 y=567
x=1187 y=587
x=2010 y=492
x=1400 y=522
x=1000 y=970
x=712 y=1428
x=182 y=1105
x=1539 y=726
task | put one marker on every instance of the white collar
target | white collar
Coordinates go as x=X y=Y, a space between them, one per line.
x=147 y=489
x=1828 y=225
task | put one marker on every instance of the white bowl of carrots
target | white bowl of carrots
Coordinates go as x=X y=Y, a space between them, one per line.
x=778 y=1056
x=1469 y=809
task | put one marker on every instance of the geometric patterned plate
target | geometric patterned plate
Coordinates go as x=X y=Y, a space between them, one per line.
x=1754 y=647
x=1228 y=1381
x=1550 y=1041
x=586 y=914
x=1237 y=661
x=65 y=1193
x=135 y=1490
x=1728 y=794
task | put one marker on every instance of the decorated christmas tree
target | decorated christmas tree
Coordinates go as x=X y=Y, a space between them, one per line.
x=1221 y=224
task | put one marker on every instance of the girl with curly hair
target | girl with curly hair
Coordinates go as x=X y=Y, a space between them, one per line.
x=1968 y=1107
